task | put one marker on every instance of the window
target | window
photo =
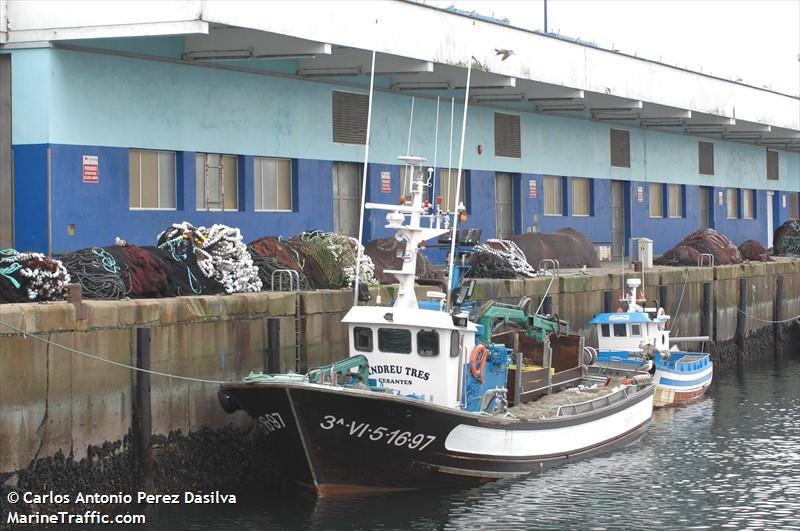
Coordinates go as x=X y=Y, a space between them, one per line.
x=581 y=197
x=151 y=179
x=362 y=338
x=448 y=182
x=619 y=330
x=772 y=165
x=455 y=344
x=706 y=158
x=428 y=343
x=620 y=148
x=605 y=331
x=216 y=182
x=732 y=203
x=394 y=340
x=636 y=330
x=656 y=199
x=506 y=135
x=553 y=198
x=748 y=207
x=794 y=207
x=273 y=184
x=350 y=117
x=675 y=200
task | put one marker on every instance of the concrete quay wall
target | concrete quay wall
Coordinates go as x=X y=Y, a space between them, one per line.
x=54 y=401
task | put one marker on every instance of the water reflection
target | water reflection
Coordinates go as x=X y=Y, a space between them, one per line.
x=731 y=460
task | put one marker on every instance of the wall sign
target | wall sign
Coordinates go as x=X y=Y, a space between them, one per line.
x=640 y=194
x=532 y=188
x=719 y=198
x=91 y=172
x=386 y=182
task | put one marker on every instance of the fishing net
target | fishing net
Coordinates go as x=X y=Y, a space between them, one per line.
x=702 y=241
x=26 y=277
x=570 y=247
x=270 y=254
x=101 y=274
x=787 y=239
x=753 y=250
x=500 y=259
x=220 y=255
x=329 y=259
x=387 y=253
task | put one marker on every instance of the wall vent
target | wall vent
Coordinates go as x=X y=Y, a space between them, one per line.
x=350 y=117
x=506 y=135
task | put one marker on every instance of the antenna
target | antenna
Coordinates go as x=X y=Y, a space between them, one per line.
x=408 y=151
x=458 y=187
x=435 y=153
x=359 y=253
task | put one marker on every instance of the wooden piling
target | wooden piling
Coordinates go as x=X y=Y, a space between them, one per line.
x=608 y=301
x=547 y=306
x=741 y=320
x=142 y=420
x=662 y=297
x=272 y=355
x=777 y=316
x=705 y=313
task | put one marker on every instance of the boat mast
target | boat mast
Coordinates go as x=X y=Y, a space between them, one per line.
x=359 y=253
x=450 y=287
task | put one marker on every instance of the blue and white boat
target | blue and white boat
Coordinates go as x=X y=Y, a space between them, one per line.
x=639 y=339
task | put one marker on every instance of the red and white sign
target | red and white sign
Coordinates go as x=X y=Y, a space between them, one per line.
x=91 y=171
x=532 y=188
x=640 y=194
x=720 y=198
x=386 y=182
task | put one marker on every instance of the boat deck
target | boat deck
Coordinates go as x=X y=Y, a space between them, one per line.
x=548 y=405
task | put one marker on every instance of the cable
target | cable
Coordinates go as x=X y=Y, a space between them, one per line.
x=680 y=299
x=757 y=318
x=104 y=360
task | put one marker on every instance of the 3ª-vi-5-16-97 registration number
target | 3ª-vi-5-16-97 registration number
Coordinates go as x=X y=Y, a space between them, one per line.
x=378 y=433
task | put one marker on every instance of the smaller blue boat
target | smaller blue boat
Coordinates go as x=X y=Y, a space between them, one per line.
x=638 y=339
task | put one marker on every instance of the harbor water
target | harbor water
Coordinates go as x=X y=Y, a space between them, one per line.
x=731 y=460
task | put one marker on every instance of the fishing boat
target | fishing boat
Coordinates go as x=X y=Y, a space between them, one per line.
x=423 y=398
x=638 y=338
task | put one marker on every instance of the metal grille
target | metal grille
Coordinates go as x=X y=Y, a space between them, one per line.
x=506 y=135
x=706 y=156
x=772 y=165
x=620 y=148
x=350 y=117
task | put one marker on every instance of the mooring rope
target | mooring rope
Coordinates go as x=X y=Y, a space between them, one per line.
x=105 y=360
x=751 y=316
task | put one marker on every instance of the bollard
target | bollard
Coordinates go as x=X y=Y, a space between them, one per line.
x=75 y=297
x=272 y=355
x=142 y=421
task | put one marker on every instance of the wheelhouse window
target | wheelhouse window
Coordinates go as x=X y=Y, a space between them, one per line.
x=553 y=196
x=636 y=330
x=605 y=330
x=273 y=184
x=151 y=179
x=455 y=344
x=620 y=330
x=394 y=340
x=217 y=182
x=428 y=343
x=362 y=338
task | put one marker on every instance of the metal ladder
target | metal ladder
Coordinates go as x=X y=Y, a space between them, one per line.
x=293 y=284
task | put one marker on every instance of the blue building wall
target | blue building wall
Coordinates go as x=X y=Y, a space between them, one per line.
x=80 y=103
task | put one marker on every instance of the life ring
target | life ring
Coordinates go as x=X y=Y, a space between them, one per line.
x=477 y=361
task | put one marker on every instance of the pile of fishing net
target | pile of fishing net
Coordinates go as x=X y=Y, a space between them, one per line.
x=387 y=253
x=120 y=271
x=753 y=250
x=787 y=239
x=570 y=247
x=220 y=253
x=26 y=277
x=500 y=259
x=702 y=241
x=274 y=259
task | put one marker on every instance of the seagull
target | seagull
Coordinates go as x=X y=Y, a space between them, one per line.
x=505 y=53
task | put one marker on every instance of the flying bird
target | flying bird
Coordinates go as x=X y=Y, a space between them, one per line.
x=504 y=53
